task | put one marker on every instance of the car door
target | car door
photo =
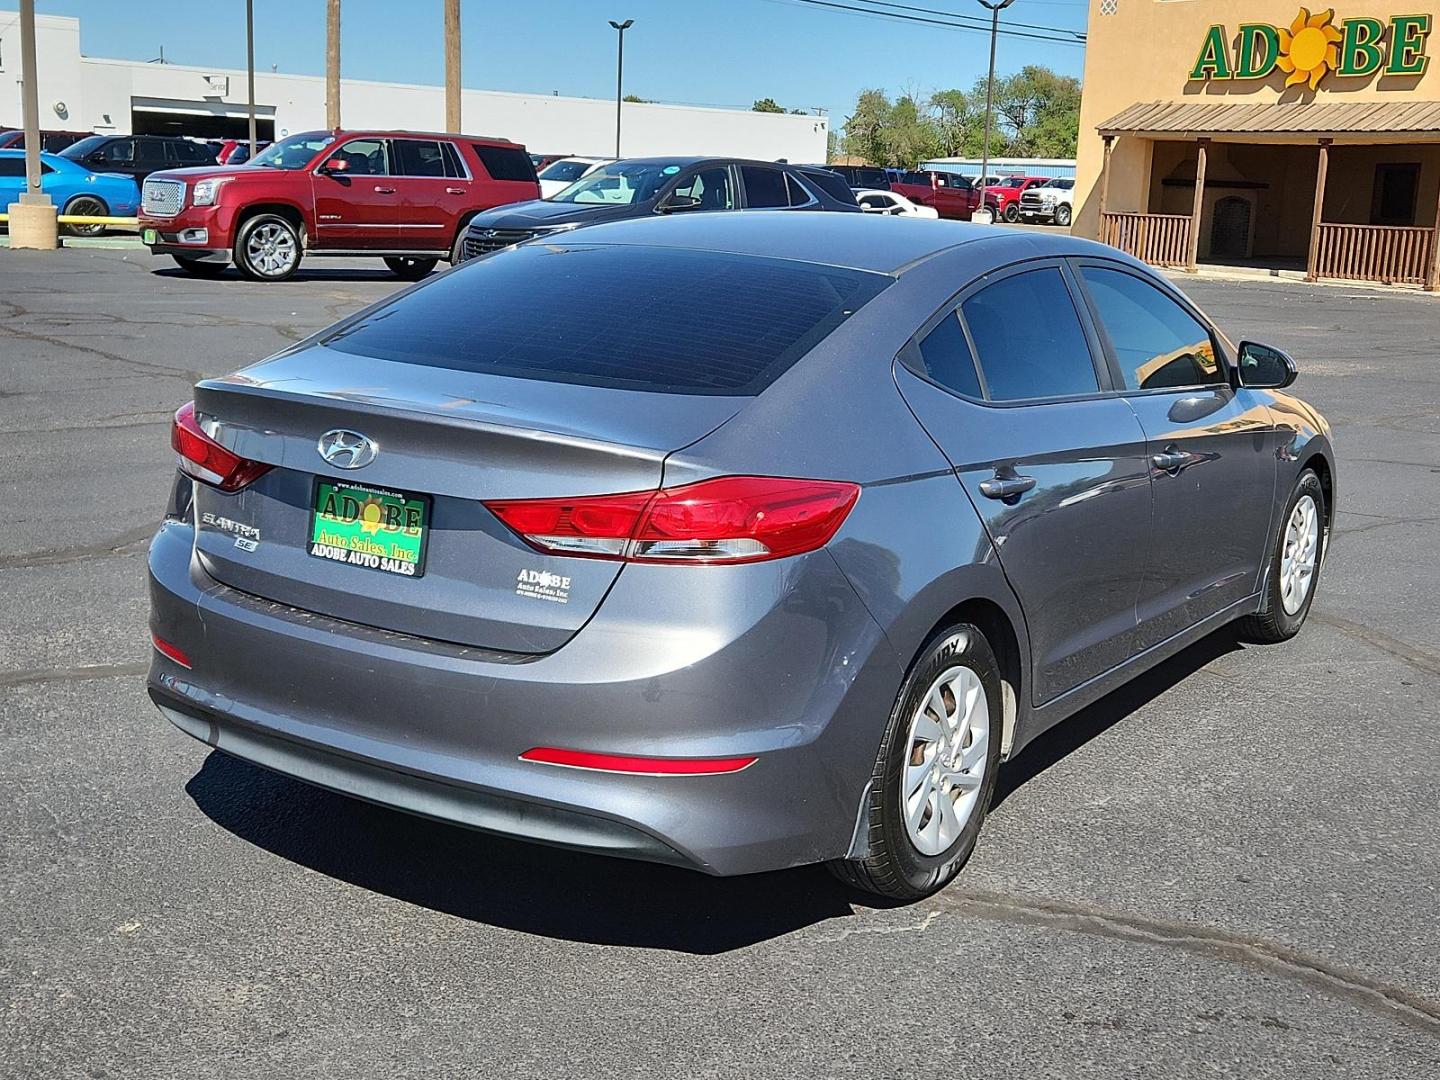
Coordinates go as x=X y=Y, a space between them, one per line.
x=1012 y=387
x=357 y=208
x=765 y=188
x=433 y=188
x=151 y=156
x=1210 y=448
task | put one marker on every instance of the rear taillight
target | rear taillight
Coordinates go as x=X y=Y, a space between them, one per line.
x=731 y=519
x=206 y=460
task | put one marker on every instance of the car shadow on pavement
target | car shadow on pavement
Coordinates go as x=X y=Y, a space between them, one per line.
x=575 y=896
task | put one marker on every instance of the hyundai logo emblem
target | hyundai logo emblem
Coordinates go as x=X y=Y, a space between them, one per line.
x=347 y=449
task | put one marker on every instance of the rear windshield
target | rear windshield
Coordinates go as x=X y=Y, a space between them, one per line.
x=640 y=318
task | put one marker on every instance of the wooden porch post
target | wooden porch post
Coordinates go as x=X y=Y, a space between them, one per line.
x=1312 y=265
x=1194 y=247
x=1432 y=273
x=1105 y=189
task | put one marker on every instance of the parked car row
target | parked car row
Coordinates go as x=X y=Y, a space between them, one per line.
x=1050 y=201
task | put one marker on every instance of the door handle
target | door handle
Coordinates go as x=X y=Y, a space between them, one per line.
x=1006 y=487
x=454 y=191
x=384 y=190
x=1170 y=459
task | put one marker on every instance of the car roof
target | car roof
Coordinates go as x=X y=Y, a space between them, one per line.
x=394 y=133
x=869 y=242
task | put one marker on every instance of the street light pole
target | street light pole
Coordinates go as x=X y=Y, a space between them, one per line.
x=452 y=65
x=619 y=74
x=994 y=9
x=250 y=69
x=32 y=218
x=332 y=65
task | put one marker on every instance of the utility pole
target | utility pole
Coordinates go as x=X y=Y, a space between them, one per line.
x=994 y=9
x=452 y=65
x=32 y=218
x=620 y=75
x=250 y=68
x=332 y=65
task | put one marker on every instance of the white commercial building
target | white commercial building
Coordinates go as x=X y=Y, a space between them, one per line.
x=83 y=93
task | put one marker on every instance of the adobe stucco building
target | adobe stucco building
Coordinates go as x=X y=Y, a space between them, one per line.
x=1262 y=132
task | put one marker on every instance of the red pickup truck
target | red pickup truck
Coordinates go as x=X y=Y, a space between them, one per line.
x=402 y=196
x=1003 y=197
x=950 y=194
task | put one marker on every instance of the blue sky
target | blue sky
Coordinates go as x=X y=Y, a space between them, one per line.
x=721 y=53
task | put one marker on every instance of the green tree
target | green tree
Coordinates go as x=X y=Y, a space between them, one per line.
x=864 y=129
x=767 y=105
x=959 y=122
x=1039 y=111
x=910 y=134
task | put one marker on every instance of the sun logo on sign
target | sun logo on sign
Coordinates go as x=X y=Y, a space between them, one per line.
x=372 y=515
x=1309 y=49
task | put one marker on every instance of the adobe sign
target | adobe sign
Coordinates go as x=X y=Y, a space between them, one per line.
x=1314 y=46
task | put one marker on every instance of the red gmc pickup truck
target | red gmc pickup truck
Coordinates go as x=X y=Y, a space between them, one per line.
x=403 y=196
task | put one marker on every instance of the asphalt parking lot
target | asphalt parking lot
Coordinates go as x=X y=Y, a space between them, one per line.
x=1230 y=868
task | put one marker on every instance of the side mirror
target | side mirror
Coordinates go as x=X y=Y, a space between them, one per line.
x=679 y=202
x=97 y=158
x=1265 y=367
x=334 y=166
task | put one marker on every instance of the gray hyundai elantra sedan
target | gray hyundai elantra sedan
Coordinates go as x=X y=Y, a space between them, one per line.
x=731 y=541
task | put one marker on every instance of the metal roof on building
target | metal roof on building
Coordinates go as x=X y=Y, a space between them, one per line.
x=1307 y=118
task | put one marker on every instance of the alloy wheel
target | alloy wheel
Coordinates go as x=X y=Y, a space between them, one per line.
x=270 y=249
x=85 y=206
x=1300 y=547
x=945 y=766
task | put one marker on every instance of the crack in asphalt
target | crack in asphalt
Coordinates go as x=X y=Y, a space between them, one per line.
x=1417 y=656
x=1380 y=997
x=121 y=544
x=76 y=673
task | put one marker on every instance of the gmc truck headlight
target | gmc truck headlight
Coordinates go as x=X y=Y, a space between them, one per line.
x=207 y=192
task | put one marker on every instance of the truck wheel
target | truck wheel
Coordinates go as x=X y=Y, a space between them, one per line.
x=409 y=267
x=268 y=248
x=1062 y=215
x=1012 y=213
x=199 y=268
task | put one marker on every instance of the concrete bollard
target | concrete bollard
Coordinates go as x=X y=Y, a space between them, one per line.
x=33 y=225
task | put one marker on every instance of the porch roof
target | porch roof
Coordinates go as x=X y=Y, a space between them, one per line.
x=1313 y=118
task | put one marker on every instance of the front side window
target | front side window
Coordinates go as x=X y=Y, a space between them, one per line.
x=119 y=152
x=764 y=188
x=12 y=166
x=947 y=358
x=419 y=157
x=1157 y=343
x=710 y=186
x=363 y=157
x=1029 y=338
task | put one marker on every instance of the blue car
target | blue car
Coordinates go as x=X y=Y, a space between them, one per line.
x=71 y=187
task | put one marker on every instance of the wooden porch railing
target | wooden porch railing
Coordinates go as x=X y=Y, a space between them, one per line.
x=1158 y=239
x=1388 y=253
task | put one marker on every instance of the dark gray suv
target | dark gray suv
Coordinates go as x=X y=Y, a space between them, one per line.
x=651 y=187
x=732 y=541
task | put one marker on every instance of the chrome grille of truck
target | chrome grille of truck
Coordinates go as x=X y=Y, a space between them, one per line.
x=162 y=198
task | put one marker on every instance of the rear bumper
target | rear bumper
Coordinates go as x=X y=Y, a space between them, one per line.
x=793 y=671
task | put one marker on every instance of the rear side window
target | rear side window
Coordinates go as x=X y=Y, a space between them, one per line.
x=764 y=188
x=1029 y=338
x=947 y=359
x=655 y=319
x=831 y=183
x=506 y=163
x=419 y=157
x=799 y=196
x=1157 y=343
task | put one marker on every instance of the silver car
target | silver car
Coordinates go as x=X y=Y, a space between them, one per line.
x=735 y=541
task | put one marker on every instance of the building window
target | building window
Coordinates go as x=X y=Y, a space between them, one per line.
x=1393 y=201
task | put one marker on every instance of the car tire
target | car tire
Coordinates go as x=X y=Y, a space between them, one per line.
x=85 y=206
x=457 y=249
x=268 y=248
x=1012 y=213
x=198 y=267
x=1293 y=569
x=913 y=850
x=1062 y=215
x=410 y=267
